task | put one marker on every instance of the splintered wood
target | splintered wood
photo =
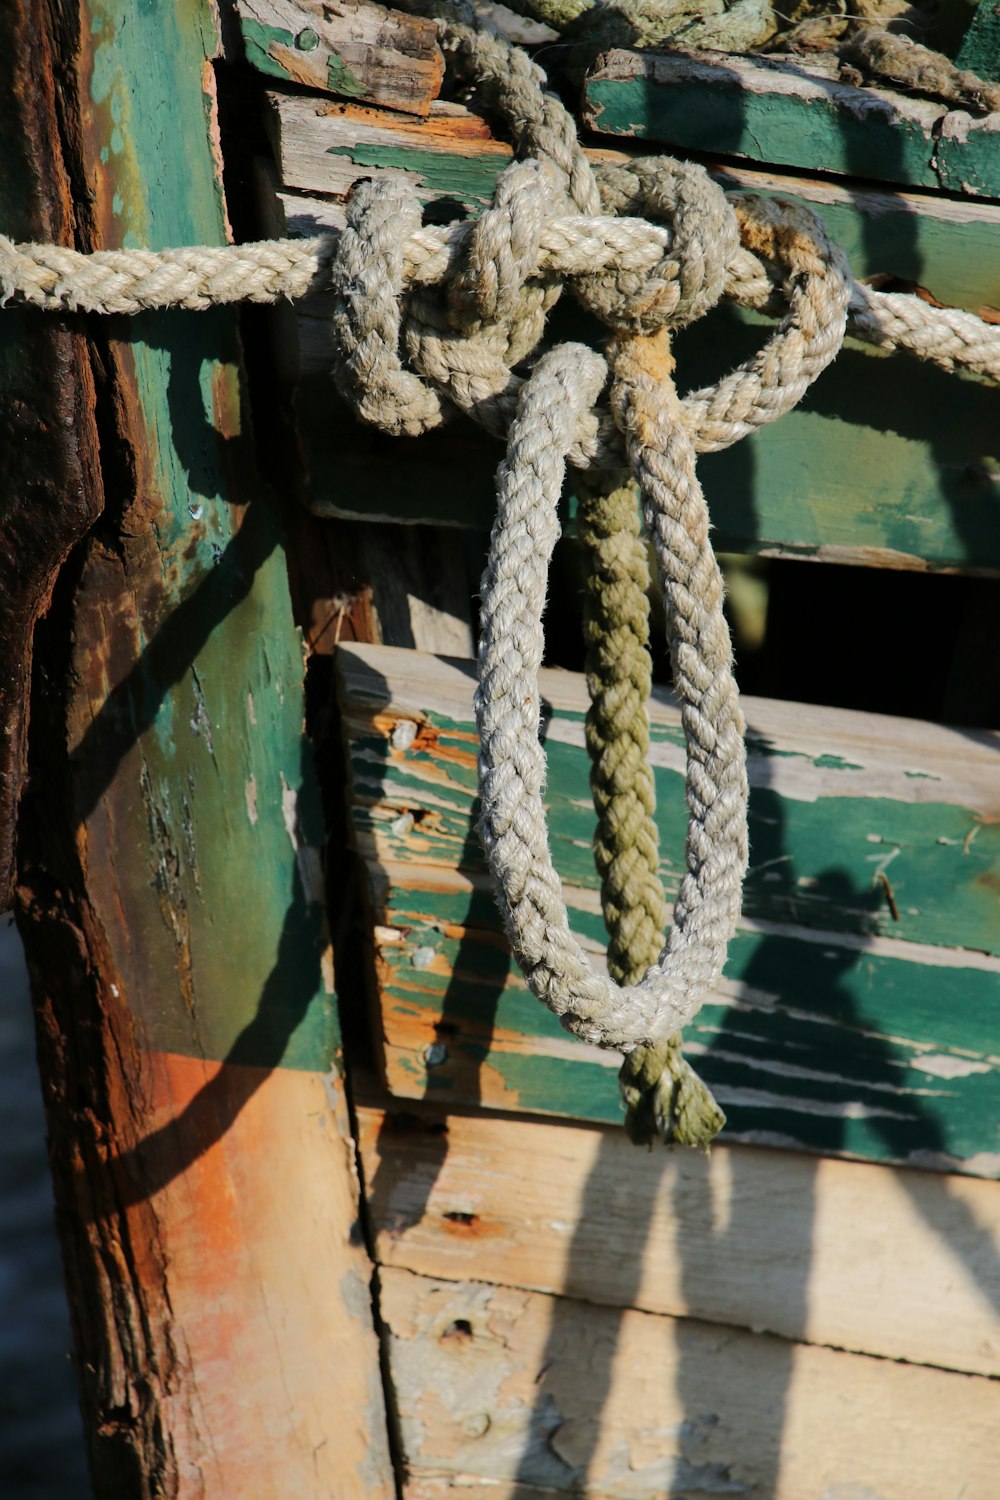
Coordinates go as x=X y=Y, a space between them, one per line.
x=357 y=51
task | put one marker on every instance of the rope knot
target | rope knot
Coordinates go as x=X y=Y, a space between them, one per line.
x=703 y=240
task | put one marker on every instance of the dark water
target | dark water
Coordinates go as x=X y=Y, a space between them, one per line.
x=41 y=1436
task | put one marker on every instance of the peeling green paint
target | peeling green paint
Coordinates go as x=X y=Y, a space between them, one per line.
x=820 y=1047
x=980 y=49
x=816 y=863
x=469 y=179
x=340 y=79
x=848 y=1019
x=257 y=38
x=261 y=41
x=709 y=107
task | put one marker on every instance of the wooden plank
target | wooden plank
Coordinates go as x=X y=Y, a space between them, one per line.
x=792 y=113
x=354 y=51
x=839 y=800
x=925 y=441
x=829 y=1036
x=168 y=883
x=499 y=1385
x=812 y=1040
x=878 y=1260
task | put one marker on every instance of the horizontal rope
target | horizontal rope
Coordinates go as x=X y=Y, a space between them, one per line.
x=59 y=279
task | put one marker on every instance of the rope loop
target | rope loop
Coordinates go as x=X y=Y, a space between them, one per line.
x=661 y=245
x=367 y=284
x=704 y=239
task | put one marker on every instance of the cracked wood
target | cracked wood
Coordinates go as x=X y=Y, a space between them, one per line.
x=880 y=1260
x=506 y=1389
x=167 y=877
x=365 y=52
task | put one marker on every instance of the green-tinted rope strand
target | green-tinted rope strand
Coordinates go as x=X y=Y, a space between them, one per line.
x=664 y=1097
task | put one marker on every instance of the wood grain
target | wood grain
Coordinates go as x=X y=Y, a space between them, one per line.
x=497 y=1385
x=880 y=1260
x=353 y=50
x=50 y=484
x=169 y=885
x=792 y=112
x=862 y=794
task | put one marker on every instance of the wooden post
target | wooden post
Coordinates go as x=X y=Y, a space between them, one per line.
x=169 y=888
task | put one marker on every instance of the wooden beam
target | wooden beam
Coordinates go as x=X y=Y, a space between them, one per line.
x=869 y=794
x=839 y=1025
x=169 y=882
x=505 y=1389
x=795 y=113
x=879 y=1260
x=352 y=50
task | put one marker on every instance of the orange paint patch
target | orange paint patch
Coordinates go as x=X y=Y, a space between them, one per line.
x=267 y=1284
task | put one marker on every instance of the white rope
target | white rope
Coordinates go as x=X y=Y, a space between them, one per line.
x=512 y=761
x=58 y=279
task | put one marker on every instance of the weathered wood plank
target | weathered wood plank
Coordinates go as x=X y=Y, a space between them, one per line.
x=499 y=1385
x=168 y=888
x=352 y=50
x=924 y=441
x=790 y=112
x=425 y=1487
x=858 y=822
x=814 y=1040
x=882 y=1261
x=321 y=148
x=823 y=1033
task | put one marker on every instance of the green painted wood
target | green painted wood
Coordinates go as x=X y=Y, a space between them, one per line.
x=826 y=1048
x=364 y=52
x=839 y=1025
x=790 y=114
x=886 y=461
x=980 y=49
x=201 y=734
x=833 y=809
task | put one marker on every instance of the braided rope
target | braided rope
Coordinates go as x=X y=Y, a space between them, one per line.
x=663 y=1095
x=57 y=279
